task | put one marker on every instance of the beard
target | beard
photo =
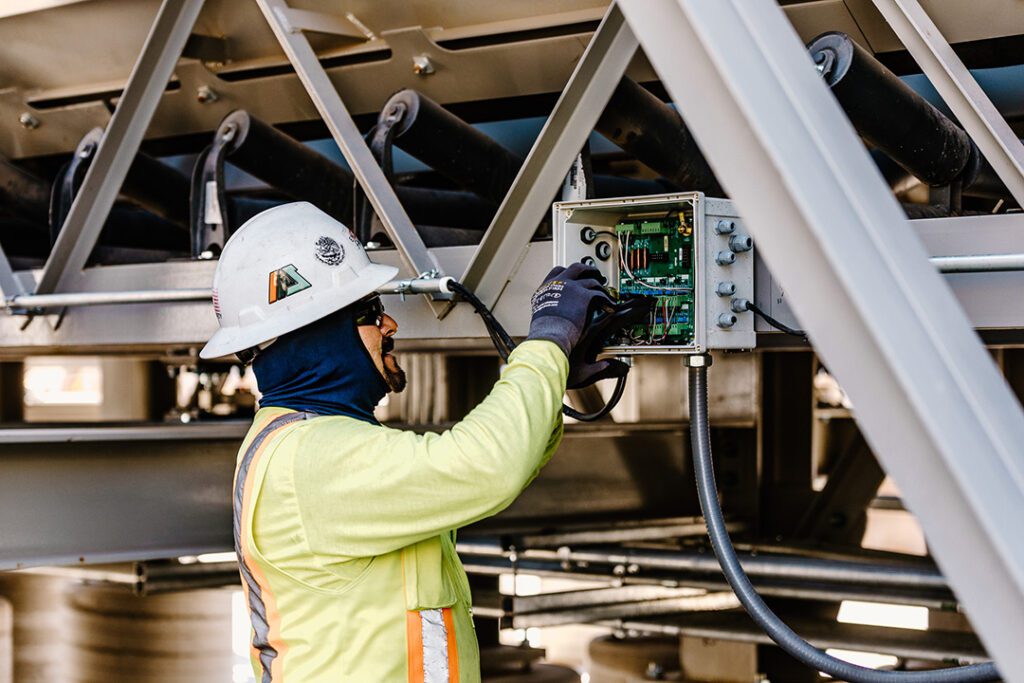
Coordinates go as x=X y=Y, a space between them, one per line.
x=394 y=375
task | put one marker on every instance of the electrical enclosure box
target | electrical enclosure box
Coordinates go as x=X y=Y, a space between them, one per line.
x=689 y=252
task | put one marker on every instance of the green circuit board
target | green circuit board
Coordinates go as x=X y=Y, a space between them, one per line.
x=657 y=260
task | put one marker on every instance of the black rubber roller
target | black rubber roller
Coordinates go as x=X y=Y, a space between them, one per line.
x=891 y=116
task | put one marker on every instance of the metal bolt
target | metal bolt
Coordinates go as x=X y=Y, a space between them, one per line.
x=741 y=243
x=28 y=121
x=726 y=288
x=422 y=66
x=205 y=95
x=726 y=320
x=724 y=227
x=725 y=258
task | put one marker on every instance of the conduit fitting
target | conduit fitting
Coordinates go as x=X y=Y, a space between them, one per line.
x=698 y=360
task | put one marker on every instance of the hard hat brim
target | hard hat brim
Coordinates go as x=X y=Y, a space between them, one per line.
x=231 y=340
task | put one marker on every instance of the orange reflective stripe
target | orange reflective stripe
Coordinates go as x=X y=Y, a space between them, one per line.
x=453 y=649
x=268 y=646
x=414 y=643
x=267 y=597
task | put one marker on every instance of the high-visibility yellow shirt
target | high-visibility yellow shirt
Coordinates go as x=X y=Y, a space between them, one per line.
x=346 y=530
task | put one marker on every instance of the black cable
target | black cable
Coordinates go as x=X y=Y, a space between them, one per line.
x=499 y=337
x=613 y=400
x=781 y=327
x=777 y=630
x=504 y=344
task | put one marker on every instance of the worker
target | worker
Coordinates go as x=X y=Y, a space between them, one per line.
x=345 y=528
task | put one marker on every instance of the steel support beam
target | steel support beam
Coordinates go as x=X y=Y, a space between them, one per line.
x=350 y=141
x=10 y=285
x=119 y=144
x=929 y=398
x=103 y=494
x=567 y=128
x=954 y=82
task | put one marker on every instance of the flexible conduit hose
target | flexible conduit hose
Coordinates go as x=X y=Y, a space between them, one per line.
x=783 y=635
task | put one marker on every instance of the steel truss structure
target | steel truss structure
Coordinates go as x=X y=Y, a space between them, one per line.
x=930 y=401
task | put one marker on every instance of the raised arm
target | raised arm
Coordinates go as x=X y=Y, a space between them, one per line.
x=366 y=490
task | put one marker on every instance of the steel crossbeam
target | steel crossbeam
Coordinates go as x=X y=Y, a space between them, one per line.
x=928 y=397
x=560 y=140
x=119 y=144
x=954 y=82
x=350 y=141
x=10 y=285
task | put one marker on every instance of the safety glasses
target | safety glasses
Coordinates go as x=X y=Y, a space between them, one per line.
x=369 y=311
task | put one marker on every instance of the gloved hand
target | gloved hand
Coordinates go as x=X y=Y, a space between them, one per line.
x=563 y=304
x=584 y=367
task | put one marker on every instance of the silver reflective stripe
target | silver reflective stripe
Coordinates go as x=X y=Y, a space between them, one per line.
x=257 y=609
x=435 y=646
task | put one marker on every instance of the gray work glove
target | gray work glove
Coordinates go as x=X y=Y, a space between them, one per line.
x=563 y=304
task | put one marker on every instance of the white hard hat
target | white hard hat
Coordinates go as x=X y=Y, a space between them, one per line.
x=286 y=268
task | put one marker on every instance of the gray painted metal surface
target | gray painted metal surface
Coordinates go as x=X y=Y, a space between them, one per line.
x=929 y=399
x=982 y=295
x=105 y=494
x=149 y=328
x=567 y=128
x=929 y=645
x=120 y=142
x=10 y=285
x=335 y=114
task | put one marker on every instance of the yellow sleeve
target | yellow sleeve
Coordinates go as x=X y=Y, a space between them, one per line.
x=366 y=490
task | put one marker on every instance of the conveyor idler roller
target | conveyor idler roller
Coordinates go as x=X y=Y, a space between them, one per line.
x=653 y=132
x=891 y=116
x=449 y=145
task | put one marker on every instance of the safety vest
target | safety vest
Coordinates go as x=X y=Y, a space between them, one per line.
x=345 y=530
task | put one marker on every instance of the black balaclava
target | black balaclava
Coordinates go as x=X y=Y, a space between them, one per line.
x=321 y=368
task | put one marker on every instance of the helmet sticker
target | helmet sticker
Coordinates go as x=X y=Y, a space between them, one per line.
x=329 y=251
x=286 y=281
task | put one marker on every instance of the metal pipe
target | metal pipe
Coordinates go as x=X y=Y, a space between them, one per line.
x=789 y=568
x=152 y=578
x=979 y=263
x=709 y=602
x=22 y=302
x=891 y=116
x=776 y=588
x=653 y=132
x=928 y=645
